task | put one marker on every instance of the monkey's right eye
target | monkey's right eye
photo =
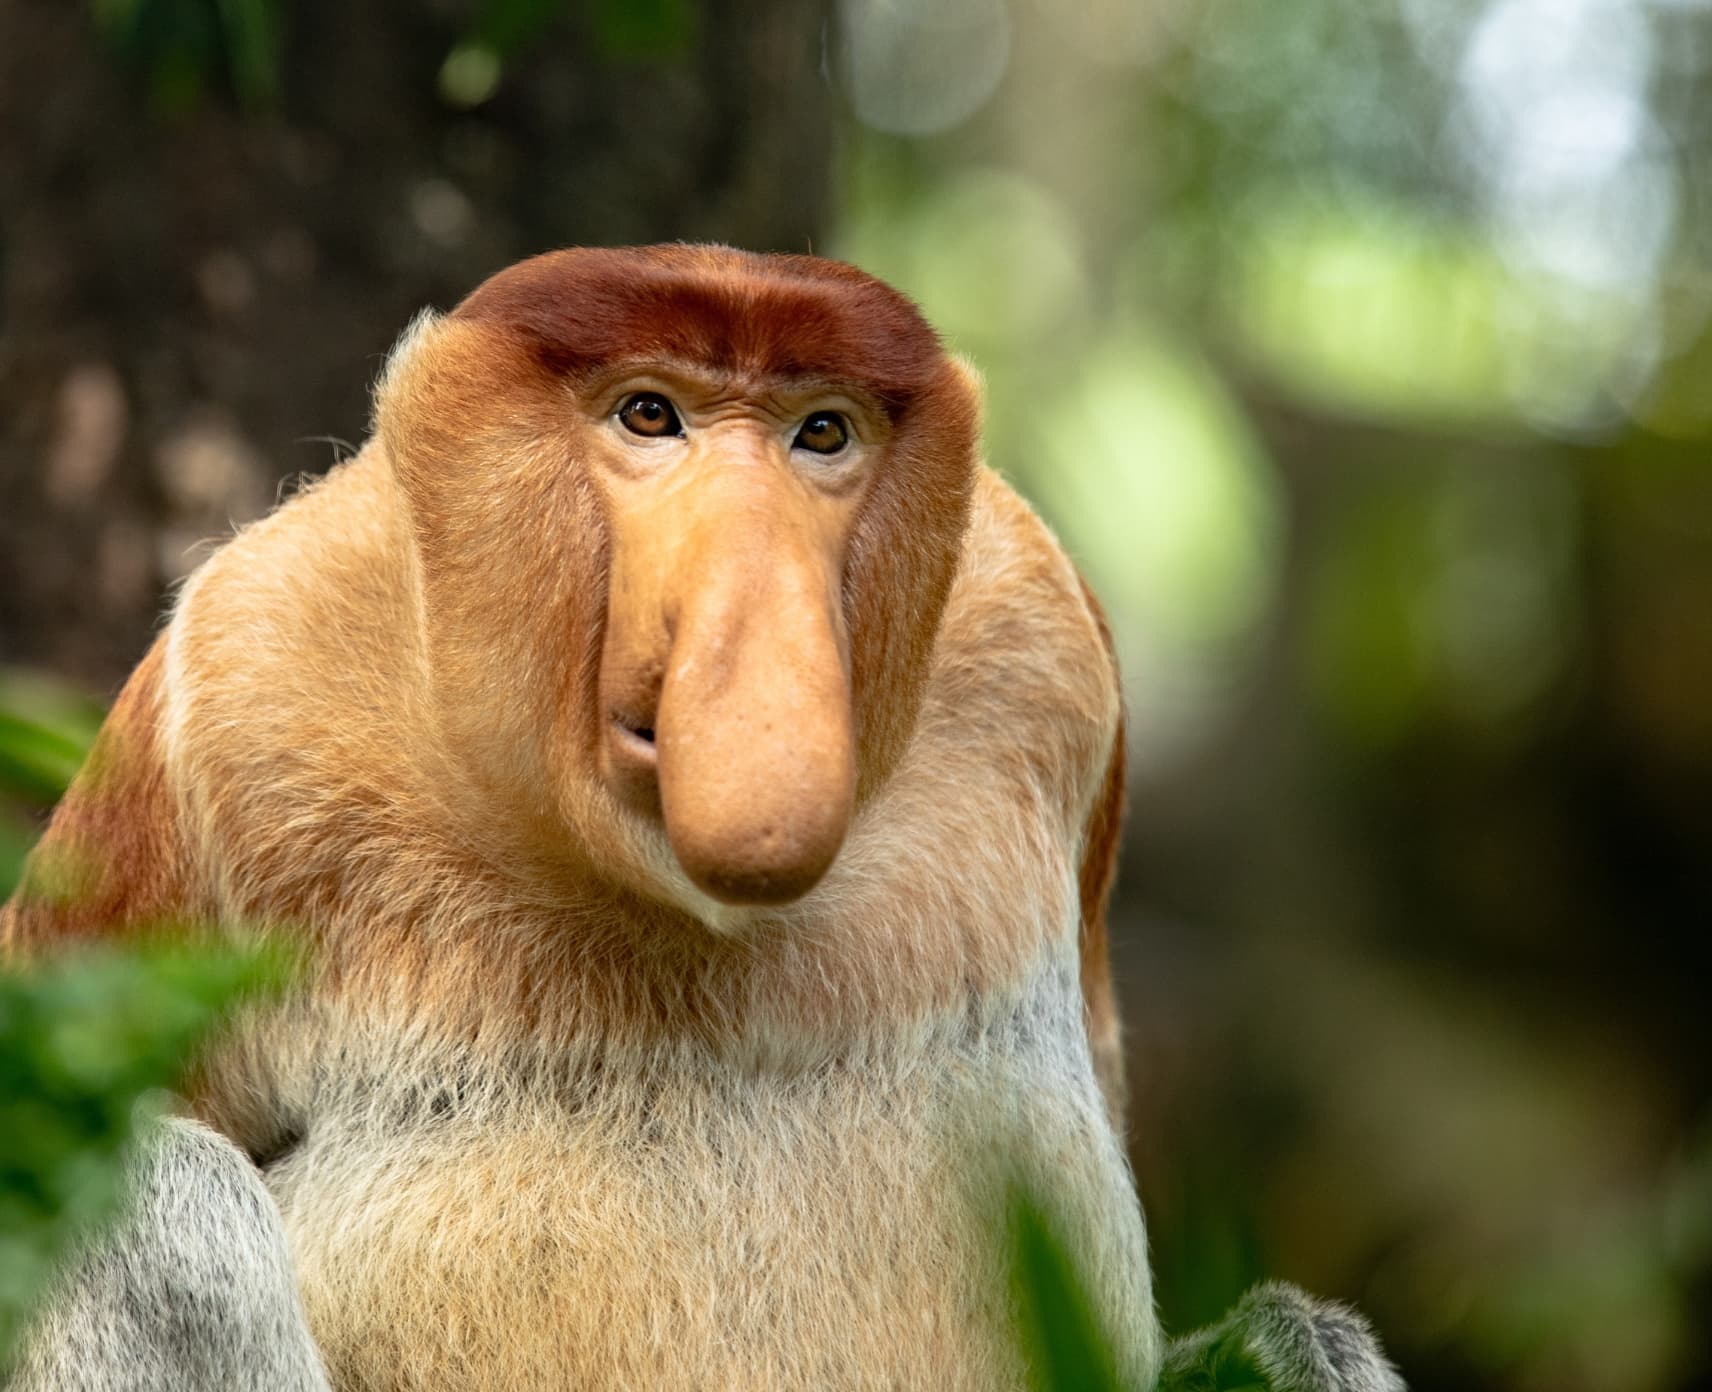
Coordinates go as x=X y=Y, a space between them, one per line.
x=649 y=413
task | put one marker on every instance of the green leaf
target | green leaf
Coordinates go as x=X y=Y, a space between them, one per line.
x=36 y=762
x=1062 y=1341
x=82 y=1039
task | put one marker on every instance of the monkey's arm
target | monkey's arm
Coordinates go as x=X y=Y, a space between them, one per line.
x=191 y=1289
x=1279 y=1339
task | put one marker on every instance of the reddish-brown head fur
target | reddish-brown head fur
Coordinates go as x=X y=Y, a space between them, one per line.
x=760 y=317
x=771 y=612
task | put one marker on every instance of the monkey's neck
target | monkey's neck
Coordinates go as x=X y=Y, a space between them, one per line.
x=409 y=1063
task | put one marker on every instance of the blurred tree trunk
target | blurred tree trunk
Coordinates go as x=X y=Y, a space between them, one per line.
x=194 y=306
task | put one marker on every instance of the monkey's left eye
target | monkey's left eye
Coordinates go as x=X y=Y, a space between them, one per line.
x=649 y=413
x=825 y=432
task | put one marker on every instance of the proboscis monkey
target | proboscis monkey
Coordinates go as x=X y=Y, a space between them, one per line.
x=693 y=781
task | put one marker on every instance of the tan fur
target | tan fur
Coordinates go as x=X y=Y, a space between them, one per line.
x=544 y=1114
x=1098 y=870
x=116 y=856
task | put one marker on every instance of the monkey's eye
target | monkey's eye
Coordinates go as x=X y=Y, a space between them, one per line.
x=824 y=432
x=649 y=413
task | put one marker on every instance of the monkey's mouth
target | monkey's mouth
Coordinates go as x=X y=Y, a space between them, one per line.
x=635 y=736
x=632 y=762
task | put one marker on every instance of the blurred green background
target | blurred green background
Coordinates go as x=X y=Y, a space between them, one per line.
x=1359 y=350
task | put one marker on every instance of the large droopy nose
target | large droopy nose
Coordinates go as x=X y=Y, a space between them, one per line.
x=754 y=729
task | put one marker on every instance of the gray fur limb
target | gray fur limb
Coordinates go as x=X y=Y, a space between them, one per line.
x=191 y=1289
x=1283 y=1340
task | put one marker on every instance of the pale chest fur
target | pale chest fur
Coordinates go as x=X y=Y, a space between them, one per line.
x=661 y=1220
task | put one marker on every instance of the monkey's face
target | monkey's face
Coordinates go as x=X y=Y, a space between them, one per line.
x=701 y=511
x=725 y=666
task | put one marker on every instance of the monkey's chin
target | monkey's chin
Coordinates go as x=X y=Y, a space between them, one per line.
x=723 y=914
x=681 y=892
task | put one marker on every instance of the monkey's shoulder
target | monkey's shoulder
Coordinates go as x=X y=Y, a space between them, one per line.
x=1022 y=648
x=304 y=591
x=1019 y=601
x=112 y=858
